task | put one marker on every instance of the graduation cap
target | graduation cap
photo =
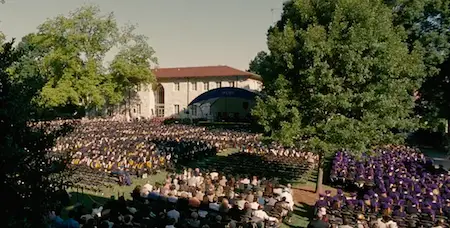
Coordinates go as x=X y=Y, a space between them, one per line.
x=384 y=206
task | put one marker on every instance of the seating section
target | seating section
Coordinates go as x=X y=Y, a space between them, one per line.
x=398 y=182
x=286 y=169
x=105 y=152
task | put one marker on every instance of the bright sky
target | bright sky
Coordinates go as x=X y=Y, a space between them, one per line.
x=182 y=32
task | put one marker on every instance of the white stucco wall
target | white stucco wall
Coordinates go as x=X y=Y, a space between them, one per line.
x=147 y=102
x=185 y=94
x=252 y=84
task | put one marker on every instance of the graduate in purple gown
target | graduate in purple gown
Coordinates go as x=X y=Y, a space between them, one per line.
x=404 y=182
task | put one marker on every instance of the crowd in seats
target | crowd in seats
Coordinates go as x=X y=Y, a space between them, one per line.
x=398 y=186
x=264 y=165
x=141 y=148
x=92 y=180
x=277 y=151
x=192 y=199
x=242 y=190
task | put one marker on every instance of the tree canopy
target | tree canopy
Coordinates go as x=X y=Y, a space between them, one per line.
x=344 y=76
x=69 y=52
x=29 y=177
x=426 y=23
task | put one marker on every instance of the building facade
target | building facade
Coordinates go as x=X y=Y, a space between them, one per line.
x=177 y=87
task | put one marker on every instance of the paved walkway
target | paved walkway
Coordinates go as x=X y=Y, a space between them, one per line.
x=439 y=158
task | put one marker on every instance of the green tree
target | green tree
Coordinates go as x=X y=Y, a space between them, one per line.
x=2 y=39
x=73 y=59
x=30 y=177
x=132 y=66
x=351 y=77
x=279 y=116
x=426 y=23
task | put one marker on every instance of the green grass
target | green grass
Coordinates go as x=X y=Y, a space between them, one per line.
x=90 y=197
x=300 y=216
x=228 y=151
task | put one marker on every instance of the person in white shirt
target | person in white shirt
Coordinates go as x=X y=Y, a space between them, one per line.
x=214 y=175
x=245 y=181
x=260 y=216
x=254 y=205
x=192 y=181
x=289 y=199
x=96 y=210
x=241 y=203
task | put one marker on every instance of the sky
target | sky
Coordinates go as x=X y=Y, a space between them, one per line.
x=182 y=32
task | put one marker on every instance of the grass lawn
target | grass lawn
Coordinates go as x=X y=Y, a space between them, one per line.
x=87 y=197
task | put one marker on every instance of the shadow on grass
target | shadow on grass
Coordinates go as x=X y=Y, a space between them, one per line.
x=249 y=165
x=82 y=202
x=87 y=199
x=301 y=216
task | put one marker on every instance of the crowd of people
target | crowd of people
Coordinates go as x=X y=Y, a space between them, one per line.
x=101 y=148
x=244 y=189
x=191 y=199
x=398 y=187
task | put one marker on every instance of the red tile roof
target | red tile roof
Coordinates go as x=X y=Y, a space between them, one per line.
x=200 y=72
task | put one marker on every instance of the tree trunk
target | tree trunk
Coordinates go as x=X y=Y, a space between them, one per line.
x=319 y=176
x=447 y=127
x=129 y=106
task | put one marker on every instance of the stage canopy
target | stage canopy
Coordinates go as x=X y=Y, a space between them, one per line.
x=224 y=92
x=227 y=103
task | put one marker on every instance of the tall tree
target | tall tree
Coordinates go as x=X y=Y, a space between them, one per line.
x=132 y=65
x=350 y=73
x=427 y=23
x=73 y=61
x=262 y=66
x=29 y=178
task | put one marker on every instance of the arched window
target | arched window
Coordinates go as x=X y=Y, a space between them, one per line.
x=160 y=94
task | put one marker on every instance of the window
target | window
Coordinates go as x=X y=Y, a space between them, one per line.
x=176 y=109
x=139 y=109
x=160 y=95
x=233 y=84
x=194 y=85
x=177 y=86
x=206 y=86
x=218 y=84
